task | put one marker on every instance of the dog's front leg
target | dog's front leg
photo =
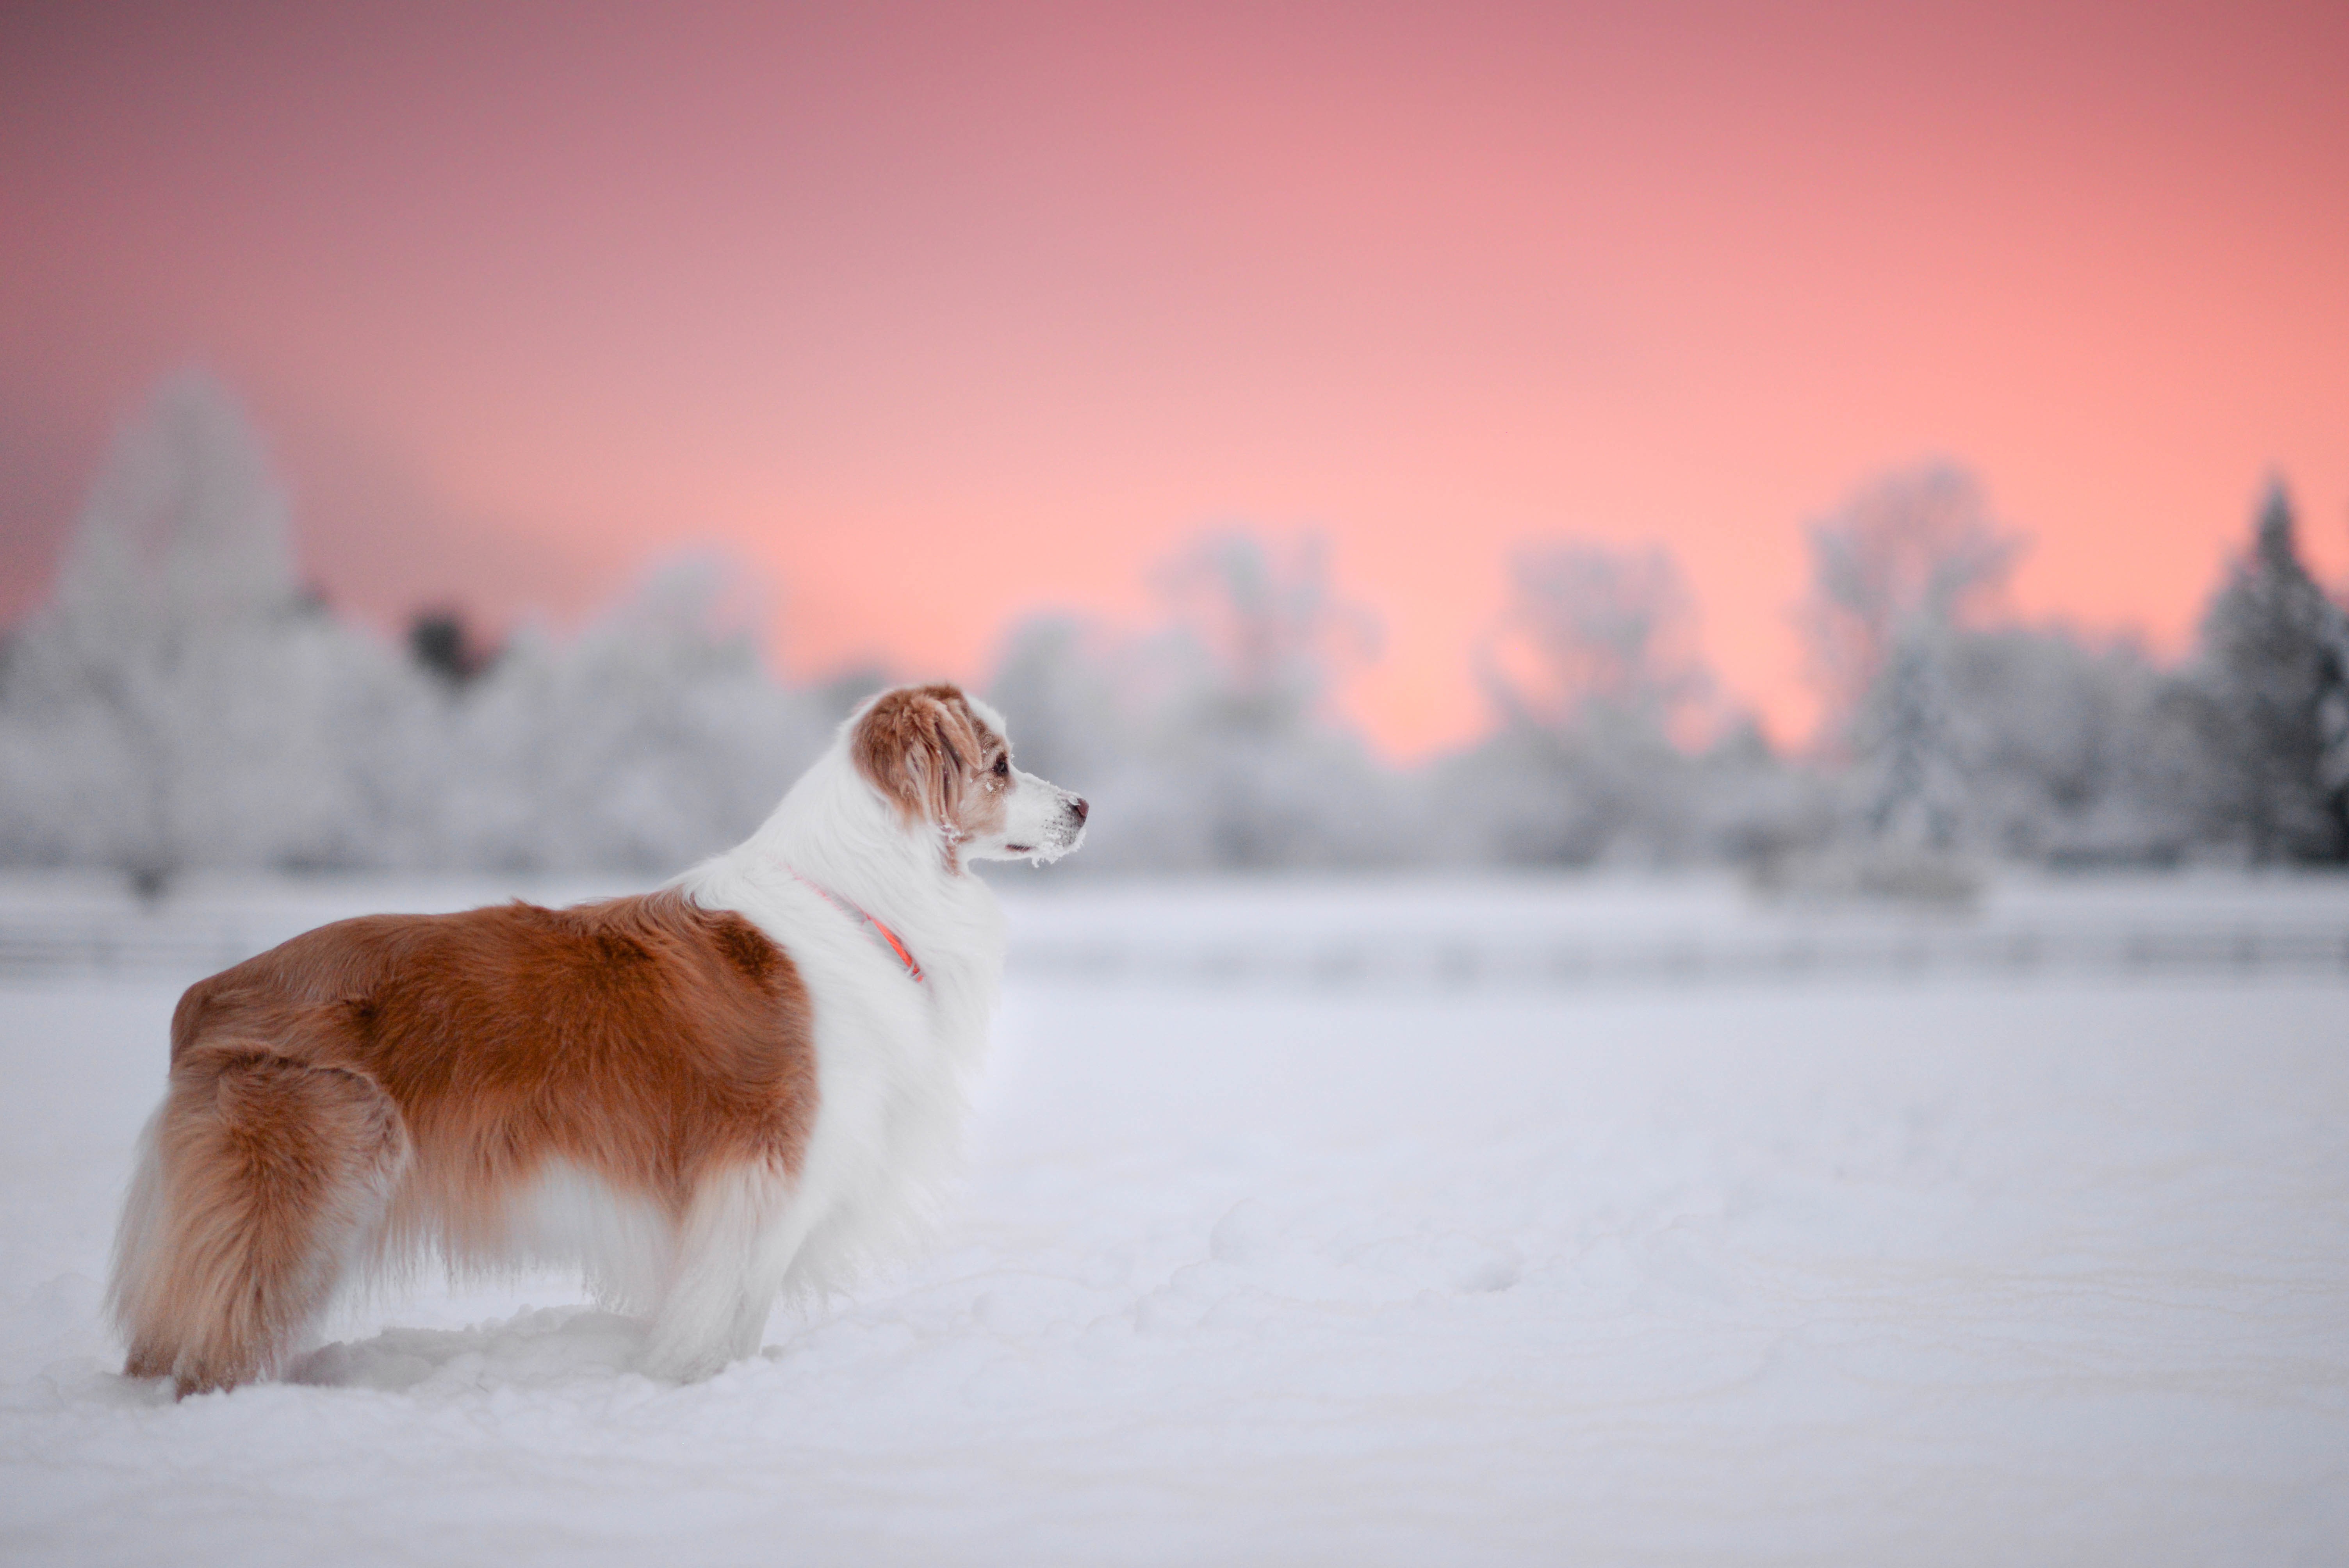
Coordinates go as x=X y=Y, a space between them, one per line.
x=737 y=1246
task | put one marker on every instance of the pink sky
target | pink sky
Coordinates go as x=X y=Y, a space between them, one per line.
x=938 y=319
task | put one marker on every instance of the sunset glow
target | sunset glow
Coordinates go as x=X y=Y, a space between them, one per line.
x=936 y=320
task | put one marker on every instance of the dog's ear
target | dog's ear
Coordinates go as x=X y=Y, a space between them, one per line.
x=920 y=747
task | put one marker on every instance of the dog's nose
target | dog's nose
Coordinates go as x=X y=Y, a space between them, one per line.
x=1079 y=808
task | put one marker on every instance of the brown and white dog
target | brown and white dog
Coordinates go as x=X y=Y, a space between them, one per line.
x=705 y=1097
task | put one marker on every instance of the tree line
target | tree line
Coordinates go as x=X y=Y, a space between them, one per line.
x=182 y=702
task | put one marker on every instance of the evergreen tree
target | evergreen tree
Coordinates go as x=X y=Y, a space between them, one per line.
x=2274 y=678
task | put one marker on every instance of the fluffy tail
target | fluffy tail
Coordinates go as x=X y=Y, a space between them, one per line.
x=260 y=1181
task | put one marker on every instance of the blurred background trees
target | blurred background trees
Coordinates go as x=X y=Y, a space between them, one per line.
x=182 y=702
x=1213 y=732
x=2268 y=695
x=1899 y=577
x=1601 y=703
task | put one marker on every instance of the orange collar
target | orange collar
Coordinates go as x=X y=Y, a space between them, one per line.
x=896 y=944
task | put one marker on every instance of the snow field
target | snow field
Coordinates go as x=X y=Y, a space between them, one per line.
x=1882 y=1273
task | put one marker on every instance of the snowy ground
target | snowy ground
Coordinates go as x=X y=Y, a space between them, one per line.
x=1878 y=1269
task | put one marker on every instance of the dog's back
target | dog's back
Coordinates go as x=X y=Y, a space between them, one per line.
x=398 y=1082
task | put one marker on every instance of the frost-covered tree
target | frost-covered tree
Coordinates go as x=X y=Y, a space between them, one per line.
x=1898 y=574
x=653 y=739
x=182 y=702
x=2063 y=746
x=1210 y=741
x=1590 y=630
x=1246 y=765
x=2332 y=712
x=2272 y=685
x=1272 y=633
x=1596 y=679
x=1060 y=681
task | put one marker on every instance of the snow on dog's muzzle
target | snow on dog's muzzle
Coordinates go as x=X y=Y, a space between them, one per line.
x=1067 y=830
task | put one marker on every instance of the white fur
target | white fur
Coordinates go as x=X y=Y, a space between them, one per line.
x=571 y=1217
x=894 y=1055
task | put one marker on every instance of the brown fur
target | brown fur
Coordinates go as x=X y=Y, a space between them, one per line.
x=274 y=1174
x=393 y=1080
x=924 y=748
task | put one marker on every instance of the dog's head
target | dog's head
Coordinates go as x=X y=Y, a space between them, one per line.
x=943 y=760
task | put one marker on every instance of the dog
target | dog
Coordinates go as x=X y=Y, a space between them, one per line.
x=737 y=1087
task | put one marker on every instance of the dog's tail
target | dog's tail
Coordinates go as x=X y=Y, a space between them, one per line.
x=260 y=1181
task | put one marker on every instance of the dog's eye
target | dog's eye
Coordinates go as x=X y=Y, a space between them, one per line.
x=1003 y=765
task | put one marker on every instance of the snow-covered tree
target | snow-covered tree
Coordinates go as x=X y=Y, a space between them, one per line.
x=1596 y=679
x=2271 y=677
x=2064 y=748
x=1245 y=766
x=1612 y=743
x=1060 y=681
x=654 y=739
x=1909 y=564
x=1590 y=630
x=1210 y=742
x=182 y=701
